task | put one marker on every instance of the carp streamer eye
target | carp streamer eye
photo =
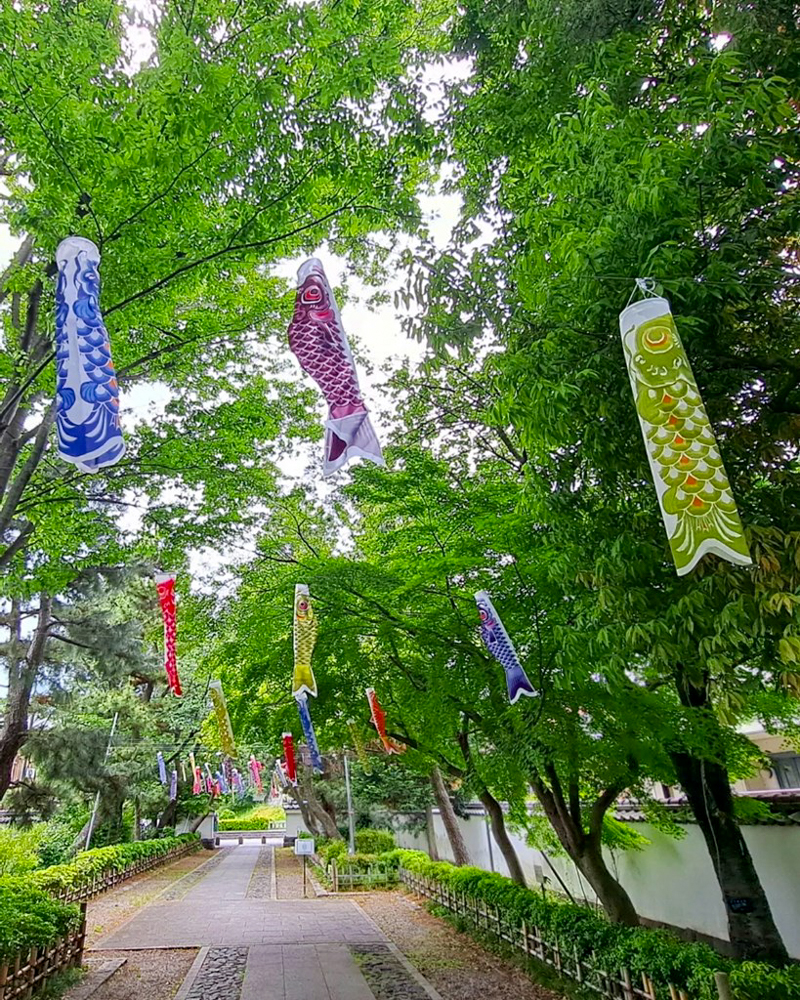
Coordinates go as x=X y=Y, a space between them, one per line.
x=658 y=339
x=484 y=615
x=312 y=295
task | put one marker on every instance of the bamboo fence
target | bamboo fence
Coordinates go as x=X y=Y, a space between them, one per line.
x=29 y=971
x=345 y=877
x=112 y=877
x=614 y=984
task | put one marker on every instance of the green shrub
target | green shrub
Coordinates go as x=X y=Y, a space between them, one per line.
x=30 y=918
x=18 y=848
x=664 y=957
x=374 y=841
x=328 y=849
x=89 y=865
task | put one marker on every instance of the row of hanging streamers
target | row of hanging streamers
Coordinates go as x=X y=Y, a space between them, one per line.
x=88 y=422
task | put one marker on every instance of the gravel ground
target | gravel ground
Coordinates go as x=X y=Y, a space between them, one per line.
x=109 y=910
x=146 y=975
x=290 y=875
x=261 y=880
x=458 y=967
x=221 y=975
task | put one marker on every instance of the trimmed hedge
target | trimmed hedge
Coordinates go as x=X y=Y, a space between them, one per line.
x=661 y=955
x=89 y=865
x=31 y=918
x=256 y=823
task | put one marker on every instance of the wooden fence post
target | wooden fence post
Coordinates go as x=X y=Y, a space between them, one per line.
x=723 y=986
x=81 y=935
x=627 y=986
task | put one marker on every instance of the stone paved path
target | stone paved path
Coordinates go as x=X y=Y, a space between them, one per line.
x=290 y=949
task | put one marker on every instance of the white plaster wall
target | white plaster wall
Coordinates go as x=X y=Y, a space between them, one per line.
x=294 y=823
x=671 y=881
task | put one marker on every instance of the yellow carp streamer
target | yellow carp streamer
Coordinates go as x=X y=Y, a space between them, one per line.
x=305 y=637
x=694 y=494
x=358 y=743
x=223 y=719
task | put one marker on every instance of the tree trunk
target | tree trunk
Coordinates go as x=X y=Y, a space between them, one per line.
x=616 y=901
x=322 y=820
x=585 y=848
x=751 y=927
x=501 y=837
x=167 y=817
x=430 y=834
x=449 y=818
x=22 y=673
x=197 y=822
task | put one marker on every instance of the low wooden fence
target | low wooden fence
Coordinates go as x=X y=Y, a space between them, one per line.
x=345 y=877
x=29 y=971
x=615 y=984
x=100 y=883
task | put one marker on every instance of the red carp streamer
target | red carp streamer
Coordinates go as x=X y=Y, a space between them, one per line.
x=379 y=721
x=288 y=753
x=166 y=598
x=255 y=771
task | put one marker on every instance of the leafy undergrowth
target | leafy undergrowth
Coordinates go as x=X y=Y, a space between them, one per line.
x=662 y=956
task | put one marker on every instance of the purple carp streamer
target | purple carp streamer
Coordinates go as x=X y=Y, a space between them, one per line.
x=502 y=649
x=162 y=768
x=310 y=735
x=87 y=394
x=317 y=338
x=173 y=786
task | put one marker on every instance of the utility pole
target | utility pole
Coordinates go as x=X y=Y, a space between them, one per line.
x=97 y=797
x=351 y=847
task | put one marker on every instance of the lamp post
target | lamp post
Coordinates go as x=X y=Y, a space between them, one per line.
x=351 y=847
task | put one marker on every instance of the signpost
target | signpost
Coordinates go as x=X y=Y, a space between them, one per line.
x=303 y=847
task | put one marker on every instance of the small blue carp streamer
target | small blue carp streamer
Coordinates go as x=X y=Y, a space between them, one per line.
x=87 y=394
x=308 y=731
x=223 y=784
x=173 y=786
x=162 y=768
x=238 y=784
x=502 y=649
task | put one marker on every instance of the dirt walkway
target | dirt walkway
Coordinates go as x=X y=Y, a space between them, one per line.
x=289 y=870
x=455 y=965
x=108 y=911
